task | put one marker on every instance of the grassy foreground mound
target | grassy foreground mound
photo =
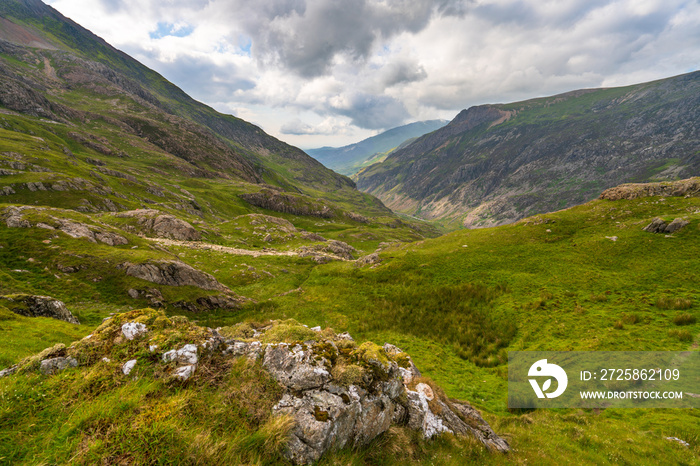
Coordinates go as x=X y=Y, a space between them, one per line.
x=144 y=388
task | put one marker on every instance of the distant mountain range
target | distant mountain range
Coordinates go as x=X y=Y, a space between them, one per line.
x=494 y=164
x=350 y=159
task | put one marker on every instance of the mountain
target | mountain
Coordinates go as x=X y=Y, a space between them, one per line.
x=494 y=164
x=54 y=69
x=348 y=160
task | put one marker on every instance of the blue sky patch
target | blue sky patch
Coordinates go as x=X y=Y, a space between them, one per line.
x=171 y=29
x=245 y=44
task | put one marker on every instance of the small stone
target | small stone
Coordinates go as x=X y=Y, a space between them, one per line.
x=612 y=238
x=184 y=372
x=152 y=348
x=106 y=360
x=132 y=330
x=316 y=329
x=128 y=366
x=186 y=355
x=133 y=293
x=676 y=439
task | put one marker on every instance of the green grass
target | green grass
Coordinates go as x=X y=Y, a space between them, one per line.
x=454 y=309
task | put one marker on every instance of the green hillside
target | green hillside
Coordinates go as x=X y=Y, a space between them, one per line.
x=588 y=278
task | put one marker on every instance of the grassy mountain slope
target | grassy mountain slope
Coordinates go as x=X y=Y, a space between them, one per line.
x=495 y=164
x=55 y=69
x=348 y=160
x=586 y=278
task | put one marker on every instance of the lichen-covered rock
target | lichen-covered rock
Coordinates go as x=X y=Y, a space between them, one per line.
x=295 y=367
x=680 y=188
x=369 y=259
x=185 y=355
x=184 y=372
x=163 y=225
x=172 y=273
x=38 y=306
x=53 y=365
x=14 y=218
x=676 y=225
x=132 y=330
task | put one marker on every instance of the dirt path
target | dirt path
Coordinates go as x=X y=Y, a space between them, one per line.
x=236 y=251
x=228 y=250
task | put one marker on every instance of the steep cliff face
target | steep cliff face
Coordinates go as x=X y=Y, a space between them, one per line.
x=495 y=164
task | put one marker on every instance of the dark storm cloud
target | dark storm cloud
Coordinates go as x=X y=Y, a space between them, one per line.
x=305 y=37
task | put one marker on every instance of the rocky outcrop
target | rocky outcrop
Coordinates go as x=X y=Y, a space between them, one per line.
x=227 y=301
x=682 y=188
x=287 y=203
x=338 y=393
x=658 y=225
x=14 y=218
x=38 y=306
x=163 y=225
x=172 y=273
x=332 y=250
x=343 y=395
x=369 y=259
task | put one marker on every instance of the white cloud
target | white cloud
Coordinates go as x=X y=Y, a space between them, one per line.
x=303 y=69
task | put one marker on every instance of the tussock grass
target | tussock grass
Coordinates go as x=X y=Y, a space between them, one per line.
x=684 y=319
x=666 y=302
x=682 y=335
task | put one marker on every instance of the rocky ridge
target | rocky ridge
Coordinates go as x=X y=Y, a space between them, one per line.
x=339 y=393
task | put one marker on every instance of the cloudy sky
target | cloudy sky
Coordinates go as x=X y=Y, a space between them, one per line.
x=333 y=72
